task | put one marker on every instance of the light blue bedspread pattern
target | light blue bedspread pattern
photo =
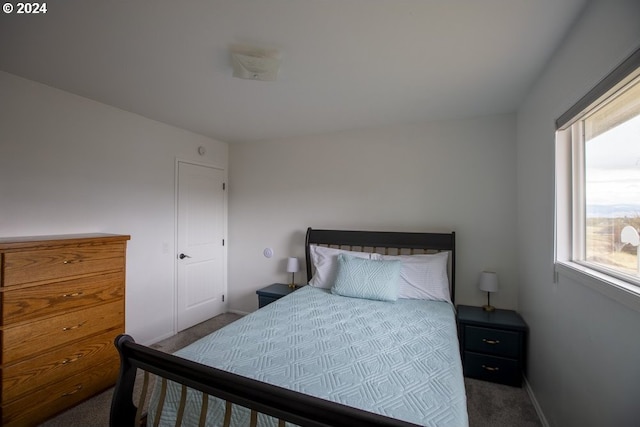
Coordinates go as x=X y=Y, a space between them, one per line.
x=400 y=359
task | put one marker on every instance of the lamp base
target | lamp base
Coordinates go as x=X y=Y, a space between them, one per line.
x=292 y=285
x=488 y=308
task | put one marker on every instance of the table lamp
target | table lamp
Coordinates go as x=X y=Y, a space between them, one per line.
x=292 y=267
x=489 y=283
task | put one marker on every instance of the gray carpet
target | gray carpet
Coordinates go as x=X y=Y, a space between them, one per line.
x=489 y=405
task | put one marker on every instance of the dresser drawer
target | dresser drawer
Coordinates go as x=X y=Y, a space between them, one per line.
x=46 y=401
x=36 y=301
x=492 y=341
x=492 y=368
x=41 y=335
x=52 y=367
x=58 y=264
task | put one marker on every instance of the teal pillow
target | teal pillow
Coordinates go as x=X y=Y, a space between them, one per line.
x=367 y=278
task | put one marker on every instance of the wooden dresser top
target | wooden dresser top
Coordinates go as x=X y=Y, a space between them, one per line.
x=63 y=239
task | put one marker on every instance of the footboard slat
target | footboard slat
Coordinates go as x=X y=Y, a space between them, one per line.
x=163 y=394
x=143 y=398
x=183 y=402
x=203 y=410
x=227 y=414
x=281 y=403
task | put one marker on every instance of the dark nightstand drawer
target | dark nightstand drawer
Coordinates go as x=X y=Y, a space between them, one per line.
x=492 y=368
x=272 y=293
x=262 y=300
x=492 y=341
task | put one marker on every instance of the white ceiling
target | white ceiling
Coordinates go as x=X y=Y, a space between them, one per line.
x=346 y=64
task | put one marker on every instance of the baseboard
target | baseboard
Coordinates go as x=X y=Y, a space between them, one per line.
x=535 y=403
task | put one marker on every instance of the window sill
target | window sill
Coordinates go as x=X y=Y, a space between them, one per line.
x=611 y=287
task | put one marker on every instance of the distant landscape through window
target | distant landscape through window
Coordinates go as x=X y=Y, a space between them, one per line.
x=612 y=183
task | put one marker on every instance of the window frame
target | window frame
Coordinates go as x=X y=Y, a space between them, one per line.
x=570 y=217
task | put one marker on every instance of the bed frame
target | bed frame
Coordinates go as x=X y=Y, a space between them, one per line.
x=283 y=404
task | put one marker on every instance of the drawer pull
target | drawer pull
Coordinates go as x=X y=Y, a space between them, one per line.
x=75 y=294
x=72 y=392
x=490 y=368
x=66 y=261
x=67 y=361
x=70 y=328
x=492 y=342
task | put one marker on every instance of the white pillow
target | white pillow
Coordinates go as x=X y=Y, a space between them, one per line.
x=423 y=276
x=325 y=263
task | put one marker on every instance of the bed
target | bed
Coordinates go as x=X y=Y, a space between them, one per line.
x=334 y=353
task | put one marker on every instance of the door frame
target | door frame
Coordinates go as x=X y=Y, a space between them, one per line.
x=175 y=234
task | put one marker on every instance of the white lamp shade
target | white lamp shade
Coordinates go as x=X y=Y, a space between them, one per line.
x=488 y=281
x=292 y=265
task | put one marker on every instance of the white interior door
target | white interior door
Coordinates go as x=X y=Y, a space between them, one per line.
x=201 y=230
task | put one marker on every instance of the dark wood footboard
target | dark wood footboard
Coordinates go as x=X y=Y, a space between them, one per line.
x=278 y=402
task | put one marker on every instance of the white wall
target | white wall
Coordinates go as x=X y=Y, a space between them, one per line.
x=441 y=176
x=584 y=348
x=72 y=165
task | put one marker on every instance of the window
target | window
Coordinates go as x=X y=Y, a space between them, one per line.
x=598 y=180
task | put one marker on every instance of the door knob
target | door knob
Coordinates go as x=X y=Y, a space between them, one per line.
x=183 y=256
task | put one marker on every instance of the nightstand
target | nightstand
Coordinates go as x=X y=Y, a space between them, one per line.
x=272 y=293
x=492 y=344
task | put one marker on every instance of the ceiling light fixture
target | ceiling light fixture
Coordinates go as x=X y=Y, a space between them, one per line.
x=255 y=64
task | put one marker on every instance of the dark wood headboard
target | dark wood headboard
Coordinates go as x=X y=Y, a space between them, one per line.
x=382 y=242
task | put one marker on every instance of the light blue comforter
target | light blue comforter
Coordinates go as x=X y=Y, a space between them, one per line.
x=397 y=359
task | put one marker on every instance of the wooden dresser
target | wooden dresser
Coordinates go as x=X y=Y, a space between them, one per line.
x=62 y=302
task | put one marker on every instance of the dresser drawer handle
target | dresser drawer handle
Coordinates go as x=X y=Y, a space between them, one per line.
x=492 y=342
x=489 y=368
x=74 y=391
x=75 y=294
x=69 y=328
x=67 y=261
x=67 y=361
